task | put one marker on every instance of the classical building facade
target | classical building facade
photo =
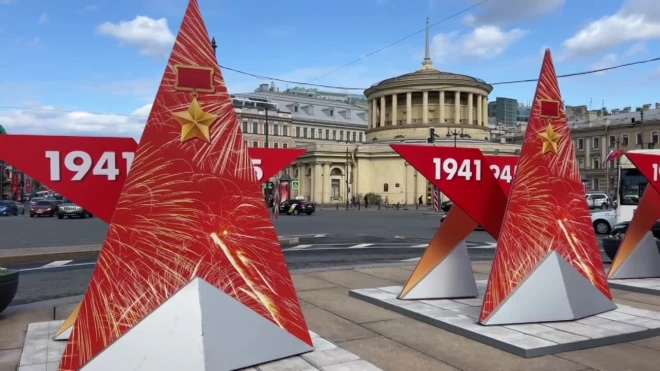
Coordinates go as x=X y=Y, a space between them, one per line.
x=401 y=110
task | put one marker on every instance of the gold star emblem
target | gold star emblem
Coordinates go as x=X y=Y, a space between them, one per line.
x=550 y=139
x=195 y=122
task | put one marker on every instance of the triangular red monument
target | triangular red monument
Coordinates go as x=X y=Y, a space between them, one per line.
x=547 y=264
x=191 y=247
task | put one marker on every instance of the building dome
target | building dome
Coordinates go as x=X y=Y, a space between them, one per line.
x=404 y=107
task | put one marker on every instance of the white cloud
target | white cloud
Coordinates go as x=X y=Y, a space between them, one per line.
x=43 y=18
x=483 y=42
x=43 y=119
x=637 y=20
x=507 y=11
x=152 y=37
x=608 y=60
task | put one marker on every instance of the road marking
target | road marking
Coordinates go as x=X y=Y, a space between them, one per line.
x=56 y=264
x=361 y=246
x=411 y=260
x=320 y=235
x=488 y=245
x=302 y=246
x=65 y=266
x=400 y=237
x=420 y=245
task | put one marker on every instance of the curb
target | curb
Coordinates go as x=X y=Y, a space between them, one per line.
x=11 y=257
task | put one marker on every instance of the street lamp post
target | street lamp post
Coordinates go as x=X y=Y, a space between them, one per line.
x=214 y=45
x=456 y=133
x=347 y=142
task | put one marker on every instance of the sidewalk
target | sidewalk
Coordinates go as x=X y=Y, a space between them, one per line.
x=384 y=338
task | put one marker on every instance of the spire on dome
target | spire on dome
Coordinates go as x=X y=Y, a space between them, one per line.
x=427 y=64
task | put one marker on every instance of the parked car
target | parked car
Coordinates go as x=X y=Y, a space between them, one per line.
x=69 y=209
x=8 y=208
x=598 y=200
x=612 y=242
x=43 y=208
x=446 y=206
x=296 y=207
x=35 y=200
x=603 y=221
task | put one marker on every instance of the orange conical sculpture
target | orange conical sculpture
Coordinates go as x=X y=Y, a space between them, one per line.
x=191 y=275
x=547 y=263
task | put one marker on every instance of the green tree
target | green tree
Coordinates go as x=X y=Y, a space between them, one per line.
x=2 y=130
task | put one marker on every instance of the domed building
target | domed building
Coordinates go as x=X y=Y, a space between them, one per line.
x=401 y=109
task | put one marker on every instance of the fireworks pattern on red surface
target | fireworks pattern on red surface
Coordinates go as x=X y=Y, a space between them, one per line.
x=547 y=210
x=188 y=209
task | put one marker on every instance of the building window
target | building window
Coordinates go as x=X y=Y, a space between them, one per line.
x=285 y=131
x=581 y=163
x=334 y=186
x=255 y=144
x=298 y=132
x=354 y=136
x=276 y=130
x=341 y=135
x=331 y=112
x=320 y=134
x=295 y=108
x=245 y=126
x=639 y=138
x=284 y=145
x=624 y=140
x=305 y=133
x=255 y=128
x=580 y=144
x=311 y=133
x=595 y=163
x=276 y=145
x=594 y=184
x=335 y=172
x=612 y=140
x=334 y=135
x=327 y=134
x=654 y=137
x=386 y=187
x=360 y=137
x=595 y=142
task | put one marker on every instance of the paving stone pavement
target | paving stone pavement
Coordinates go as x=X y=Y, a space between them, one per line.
x=388 y=340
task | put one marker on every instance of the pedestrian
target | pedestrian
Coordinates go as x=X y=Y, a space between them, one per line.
x=353 y=200
x=366 y=202
x=420 y=201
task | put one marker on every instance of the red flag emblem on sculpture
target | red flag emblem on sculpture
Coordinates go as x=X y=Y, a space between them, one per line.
x=546 y=211
x=190 y=222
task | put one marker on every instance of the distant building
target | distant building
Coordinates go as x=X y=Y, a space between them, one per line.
x=315 y=94
x=505 y=110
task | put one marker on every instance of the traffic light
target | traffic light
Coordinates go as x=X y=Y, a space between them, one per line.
x=431 y=137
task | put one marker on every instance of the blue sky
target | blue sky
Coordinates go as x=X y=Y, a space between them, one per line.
x=108 y=56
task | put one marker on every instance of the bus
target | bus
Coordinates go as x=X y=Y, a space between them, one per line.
x=631 y=186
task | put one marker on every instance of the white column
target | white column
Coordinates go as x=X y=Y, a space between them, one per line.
x=470 y=107
x=408 y=108
x=312 y=181
x=325 y=189
x=318 y=179
x=374 y=113
x=457 y=107
x=425 y=107
x=394 y=109
x=479 y=107
x=485 y=109
x=442 y=107
x=382 y=111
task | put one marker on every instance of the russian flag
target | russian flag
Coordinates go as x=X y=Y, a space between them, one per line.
x=613 y=155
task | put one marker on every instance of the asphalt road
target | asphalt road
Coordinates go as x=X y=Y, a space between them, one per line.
x=327 y=239
x=26 y=232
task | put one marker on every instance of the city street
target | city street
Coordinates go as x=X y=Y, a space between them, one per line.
x=329 y=238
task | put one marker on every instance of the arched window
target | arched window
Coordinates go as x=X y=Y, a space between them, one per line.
x=386 y=187
x=399 y=137
x=374 y=139
x=335 y=172
x=295 y=173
